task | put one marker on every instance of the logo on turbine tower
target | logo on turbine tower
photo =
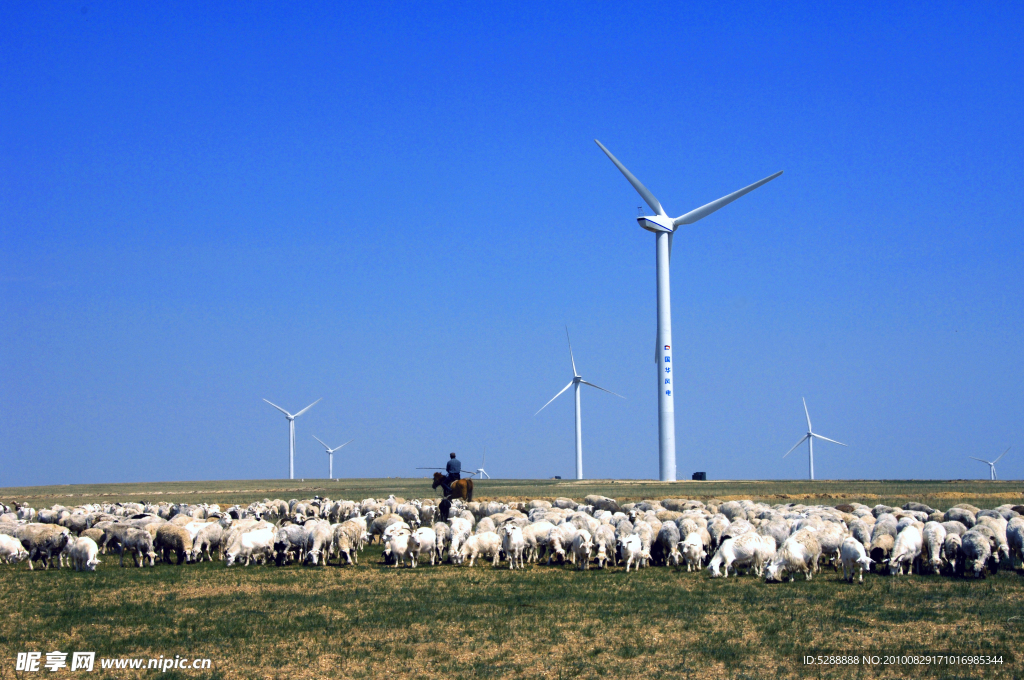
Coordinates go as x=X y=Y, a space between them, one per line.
x=668 y=347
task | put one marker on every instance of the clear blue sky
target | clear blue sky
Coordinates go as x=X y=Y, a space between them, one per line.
x=398 y=208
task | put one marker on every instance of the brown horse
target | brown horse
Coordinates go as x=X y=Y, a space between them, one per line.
x=462 y=488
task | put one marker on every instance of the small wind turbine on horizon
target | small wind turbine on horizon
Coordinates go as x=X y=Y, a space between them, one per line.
x=576 y=381
x=480 y=471
x=664 y=227
x=992 y=463
x=810 y=437
x=330 y=455
x=291 y=433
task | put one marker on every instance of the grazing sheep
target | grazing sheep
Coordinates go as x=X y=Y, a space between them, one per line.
x=746 y=550
x=43 y=542
x=318 y=542
x=582 y=546
x=934 y=535
x=83 y=554
x=953 y=527
x=977 y=550
x=962 y=515
x=906 y=550
x=11 y=549
x=851 y=555
x=256 y=543
x=139 y=542
x=513 y=544
x=535 y=537
x=631 y=548
x=207 y=542
x=800 y=552
x=953 y=554
x=881 y=547
x=666 y=545
x=426 y=540
x=172 y=537
x=693 y=551
x=487 y=544
x=604 y=540
x=1015 y=539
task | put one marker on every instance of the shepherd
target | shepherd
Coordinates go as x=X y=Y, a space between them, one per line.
x=451 y=484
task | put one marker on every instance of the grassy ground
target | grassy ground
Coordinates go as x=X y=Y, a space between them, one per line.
x=370 y=621
x=941 y=494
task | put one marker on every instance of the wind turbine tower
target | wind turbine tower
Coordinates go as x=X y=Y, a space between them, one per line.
x=576 y=382
x=480 y=470
x=810 y=437
x=992 y=463
x=330 y=455
x=664 y=227
x=291 y=434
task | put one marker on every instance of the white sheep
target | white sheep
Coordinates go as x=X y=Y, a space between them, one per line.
x=604 y=540
x=934 y=535
x=426 y=542
x=693 y=551
x=582 y=545
x=83 y=554
x=631 y=549
x=977 y=550
x=906 y=550
x=487 y=544
x=1015 y=539
x=800 y=552
x=749 y=549
x=852 y=554
x=11 y=549
x=513 y=543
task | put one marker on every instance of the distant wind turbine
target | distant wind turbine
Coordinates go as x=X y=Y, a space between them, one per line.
x=810 y=437
x=992 y=464
x=577 y=381
x=480 y=470
x=330 y=455
x=291 y=433
x=664 y=227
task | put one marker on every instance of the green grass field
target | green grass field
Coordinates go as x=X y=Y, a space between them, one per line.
x=371 y=621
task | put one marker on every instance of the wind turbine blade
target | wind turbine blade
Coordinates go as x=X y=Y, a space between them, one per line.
x=322 y=442
x=802 y=440
x=705 y=210
x=571 y=357
x=308 y=407
x=808 y=414
x=555 y=397
x=601 y=388
x=343 y=445
x=279 y=408
x=640 y=188
x=986 y=462
x=818 y=436
x=1003 y=454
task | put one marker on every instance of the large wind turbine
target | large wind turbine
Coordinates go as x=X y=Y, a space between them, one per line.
x=576 y=381
x=330 y=455
x=291 y=434
x=664 y=226
x=992 y=463
x=810 y=437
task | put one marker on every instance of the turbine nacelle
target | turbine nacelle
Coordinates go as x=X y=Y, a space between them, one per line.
x=656 y=223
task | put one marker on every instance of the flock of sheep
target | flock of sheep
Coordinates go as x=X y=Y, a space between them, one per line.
x=769 y=541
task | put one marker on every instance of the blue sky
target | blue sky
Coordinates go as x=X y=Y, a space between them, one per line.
x=398 y=208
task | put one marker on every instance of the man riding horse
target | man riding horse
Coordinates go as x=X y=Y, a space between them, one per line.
x=454 y=470
x=451 y=484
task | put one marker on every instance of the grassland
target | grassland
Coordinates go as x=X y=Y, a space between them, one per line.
x=372 y=621
x=941 y=494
